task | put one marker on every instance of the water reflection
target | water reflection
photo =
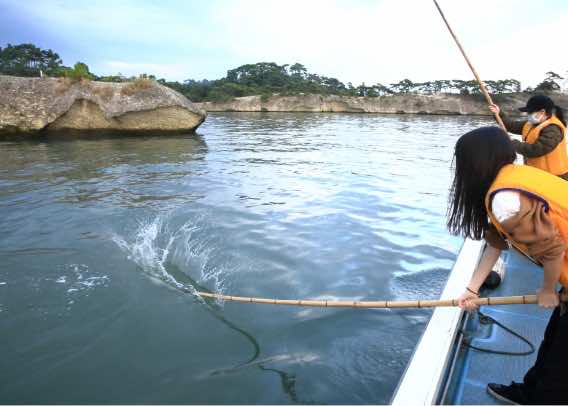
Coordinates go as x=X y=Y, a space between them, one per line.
x=329 y=206
x=111 y=168
x=288 y=380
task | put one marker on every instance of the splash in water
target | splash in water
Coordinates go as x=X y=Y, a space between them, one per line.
x=172 y=253
x=161 y=253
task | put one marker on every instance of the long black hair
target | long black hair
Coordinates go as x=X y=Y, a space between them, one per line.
x=478 y=157
x=558 y=112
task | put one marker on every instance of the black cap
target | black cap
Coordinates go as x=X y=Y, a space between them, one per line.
x=538 y=102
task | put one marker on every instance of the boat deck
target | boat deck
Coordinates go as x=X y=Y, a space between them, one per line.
x=473 y=369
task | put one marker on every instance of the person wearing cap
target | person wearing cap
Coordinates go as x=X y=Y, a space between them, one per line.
x=544 y=135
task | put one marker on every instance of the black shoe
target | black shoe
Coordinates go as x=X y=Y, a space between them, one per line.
x=513 y=394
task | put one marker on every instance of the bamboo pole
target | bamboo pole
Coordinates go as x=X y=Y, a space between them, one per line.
x=382 y=304
x=481 y=84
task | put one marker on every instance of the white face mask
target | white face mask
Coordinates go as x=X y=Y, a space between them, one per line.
x=534 y=118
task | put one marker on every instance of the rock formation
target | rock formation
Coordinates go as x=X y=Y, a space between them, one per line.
x=408 y=103
x=31 y=104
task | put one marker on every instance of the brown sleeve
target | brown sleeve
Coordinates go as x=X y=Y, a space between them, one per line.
x=494 y=238
x=532 y=227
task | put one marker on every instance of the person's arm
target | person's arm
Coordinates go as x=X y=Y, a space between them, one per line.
x=488 y=260
x=513 y=126
x=547 y=296
x=495 y=244
x=548 y=139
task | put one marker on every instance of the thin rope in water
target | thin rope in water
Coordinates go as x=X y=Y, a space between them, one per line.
x=382 y=304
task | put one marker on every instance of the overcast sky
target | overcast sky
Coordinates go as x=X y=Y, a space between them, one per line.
x=355 y=41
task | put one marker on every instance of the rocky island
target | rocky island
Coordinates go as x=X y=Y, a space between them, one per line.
x=75 y=98
x=441 y=103
x=48 y=104
x=34 y=104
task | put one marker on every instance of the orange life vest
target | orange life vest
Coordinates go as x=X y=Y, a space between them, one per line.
x=550 y=189
x=556 y=161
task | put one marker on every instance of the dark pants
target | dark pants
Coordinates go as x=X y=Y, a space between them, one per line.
x=547 y=381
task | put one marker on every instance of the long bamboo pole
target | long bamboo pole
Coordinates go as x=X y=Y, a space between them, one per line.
x=481 y=84
x=383 y=304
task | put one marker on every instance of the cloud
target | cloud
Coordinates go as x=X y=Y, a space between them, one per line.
x=358 y=40
x=529 y=51
x=390 y=40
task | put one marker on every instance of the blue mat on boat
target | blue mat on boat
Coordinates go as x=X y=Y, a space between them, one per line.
x=474 y=369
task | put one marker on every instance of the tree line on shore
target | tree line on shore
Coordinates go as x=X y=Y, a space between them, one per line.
x=263 y=78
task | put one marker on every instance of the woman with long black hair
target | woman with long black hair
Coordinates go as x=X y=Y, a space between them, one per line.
x=494 y=199
x=544 y=135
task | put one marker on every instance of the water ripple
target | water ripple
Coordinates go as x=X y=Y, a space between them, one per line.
x=103 y=235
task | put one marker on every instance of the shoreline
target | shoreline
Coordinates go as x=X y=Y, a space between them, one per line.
x=418 y=104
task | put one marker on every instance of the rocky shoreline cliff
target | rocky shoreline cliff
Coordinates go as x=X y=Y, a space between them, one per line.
x=455 y=104
x=33 y=104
